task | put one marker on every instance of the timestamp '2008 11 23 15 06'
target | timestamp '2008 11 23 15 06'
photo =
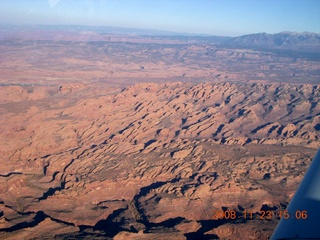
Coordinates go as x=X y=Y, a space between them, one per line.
x=263 y=214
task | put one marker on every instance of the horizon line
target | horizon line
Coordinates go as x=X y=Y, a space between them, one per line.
x=164 y=32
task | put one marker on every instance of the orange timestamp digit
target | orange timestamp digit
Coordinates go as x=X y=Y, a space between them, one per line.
x=264 y=214
x=285 y=214
x=228 y=214
x=232 y=214
x=297 y=214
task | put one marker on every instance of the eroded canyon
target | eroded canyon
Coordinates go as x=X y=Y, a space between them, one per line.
x=121 y=145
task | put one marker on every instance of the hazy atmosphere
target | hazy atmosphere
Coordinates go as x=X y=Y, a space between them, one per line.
x=217 y=17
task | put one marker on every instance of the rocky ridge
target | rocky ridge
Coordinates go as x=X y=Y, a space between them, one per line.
x=116 y=163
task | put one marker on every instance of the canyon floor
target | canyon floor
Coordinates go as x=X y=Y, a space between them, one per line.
x=151 y=139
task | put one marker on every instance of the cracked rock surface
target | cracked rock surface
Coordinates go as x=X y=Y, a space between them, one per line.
x=152 y=160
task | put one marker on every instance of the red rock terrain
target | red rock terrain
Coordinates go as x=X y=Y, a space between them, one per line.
x=152 y=160
x=54 y=58
x=110 y=136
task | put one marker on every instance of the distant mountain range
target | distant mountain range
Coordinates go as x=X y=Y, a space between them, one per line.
x=283 y=40
x=293 y=41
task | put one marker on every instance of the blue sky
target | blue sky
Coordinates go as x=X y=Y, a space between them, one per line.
x=216 y=17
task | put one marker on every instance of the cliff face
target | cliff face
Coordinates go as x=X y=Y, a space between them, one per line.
x=152 y=160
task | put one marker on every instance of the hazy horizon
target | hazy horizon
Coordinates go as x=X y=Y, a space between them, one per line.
x=222 y=18
x=145 y=31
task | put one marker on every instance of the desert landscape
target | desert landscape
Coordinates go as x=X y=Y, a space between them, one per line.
x=108 y=135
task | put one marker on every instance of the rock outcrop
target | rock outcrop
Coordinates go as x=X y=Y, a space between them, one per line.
x=153 y=160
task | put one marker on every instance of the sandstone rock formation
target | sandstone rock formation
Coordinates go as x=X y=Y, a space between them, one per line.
x=152 y=160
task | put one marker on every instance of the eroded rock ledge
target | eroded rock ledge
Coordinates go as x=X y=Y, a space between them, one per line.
x=152 y=160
